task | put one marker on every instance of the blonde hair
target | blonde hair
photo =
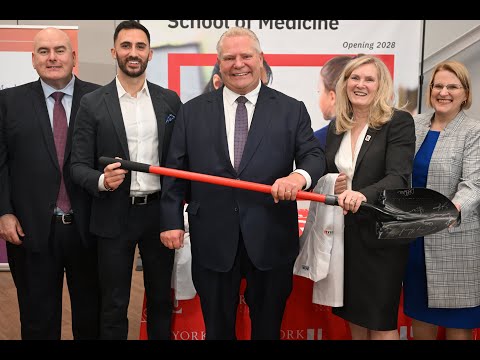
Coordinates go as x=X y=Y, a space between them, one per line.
x=461 y=72
x=238 y=31
x=382 y=107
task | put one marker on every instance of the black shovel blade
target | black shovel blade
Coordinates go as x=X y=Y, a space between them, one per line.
x=414 y=213
x=410 y=230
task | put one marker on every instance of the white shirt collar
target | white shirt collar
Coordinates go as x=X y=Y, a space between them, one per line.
x=230 y=97
x=121 y=91
x=48 y=90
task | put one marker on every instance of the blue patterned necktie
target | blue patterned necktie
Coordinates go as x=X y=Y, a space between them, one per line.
x=241 y=130
x=60 y=131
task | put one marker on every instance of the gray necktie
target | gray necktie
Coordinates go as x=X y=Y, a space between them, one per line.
x=241 y=130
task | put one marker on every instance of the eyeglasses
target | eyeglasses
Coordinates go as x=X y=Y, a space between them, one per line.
x=450 y=87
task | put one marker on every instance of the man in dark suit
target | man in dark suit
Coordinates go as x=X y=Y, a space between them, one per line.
x=46 y=240
x=238 y=233
x=129 y=118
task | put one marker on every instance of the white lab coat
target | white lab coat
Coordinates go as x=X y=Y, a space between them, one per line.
x=321 y=248
x=182 y=281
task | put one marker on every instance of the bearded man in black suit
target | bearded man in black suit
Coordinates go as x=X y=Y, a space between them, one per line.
x=132 y=119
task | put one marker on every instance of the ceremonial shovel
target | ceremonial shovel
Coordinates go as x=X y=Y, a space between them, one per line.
x=400 y=213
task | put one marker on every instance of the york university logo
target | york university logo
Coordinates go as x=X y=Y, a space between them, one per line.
x=188 y=335
x=301 y=334
x=314 y=334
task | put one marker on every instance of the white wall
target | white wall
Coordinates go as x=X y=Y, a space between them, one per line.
x=454 y=40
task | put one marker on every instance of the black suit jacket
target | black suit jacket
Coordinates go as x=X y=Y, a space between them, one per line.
x=29 y=169
x=280 y=133
x=100 y=131
x=385 y=161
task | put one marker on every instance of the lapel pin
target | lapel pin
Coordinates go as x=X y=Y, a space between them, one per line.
x=367 y=138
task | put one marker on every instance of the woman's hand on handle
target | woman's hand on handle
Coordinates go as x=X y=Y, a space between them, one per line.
x=350 y=200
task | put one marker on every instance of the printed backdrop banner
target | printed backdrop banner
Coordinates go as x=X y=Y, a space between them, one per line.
x=185 y=52
x=16 y=46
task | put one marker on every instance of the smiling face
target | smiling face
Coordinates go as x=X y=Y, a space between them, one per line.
x=240 y=64
x=362 y=85
x=132 y=52
x=53 y=57
x=447 y=102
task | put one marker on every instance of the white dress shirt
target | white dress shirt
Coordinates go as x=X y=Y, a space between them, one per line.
x=66 y=100
x=230 y=108
x=142 y=138
x=344 y=160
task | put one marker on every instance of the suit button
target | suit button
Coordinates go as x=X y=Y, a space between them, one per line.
x=235 y=209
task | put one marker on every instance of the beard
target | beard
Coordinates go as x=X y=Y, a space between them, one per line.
x=122 y=64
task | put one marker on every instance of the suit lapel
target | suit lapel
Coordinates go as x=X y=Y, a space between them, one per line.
x=421 y=129
x=77 y=95
x=260 y=123
x=158 y=107
x=367 y=142
x=218 y=116
x=334 y=141
x=41 y=113
x=113 y=106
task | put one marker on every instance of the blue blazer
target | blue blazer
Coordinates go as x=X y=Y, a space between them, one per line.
x=280 y=134
x=321 y=135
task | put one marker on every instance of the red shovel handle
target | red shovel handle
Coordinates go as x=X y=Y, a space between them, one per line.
x=217 y=180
